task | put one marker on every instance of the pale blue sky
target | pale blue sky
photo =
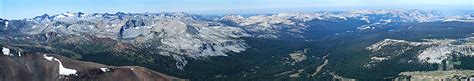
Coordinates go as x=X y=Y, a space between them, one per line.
x=17 y=9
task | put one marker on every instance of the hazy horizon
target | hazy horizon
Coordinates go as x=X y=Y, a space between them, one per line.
x=19 y=9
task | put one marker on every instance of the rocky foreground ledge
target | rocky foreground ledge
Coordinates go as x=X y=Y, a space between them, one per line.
x=19 y=65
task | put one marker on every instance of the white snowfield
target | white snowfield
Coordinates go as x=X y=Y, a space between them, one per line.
x=435 y=50
x=6 y=24
x=105 y=69
x=62 y=69
x=6 y=51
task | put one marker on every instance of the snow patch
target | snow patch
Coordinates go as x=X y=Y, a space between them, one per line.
x=364 y=27
x=47 y=57
x=447 y=20
x=6 y=24
x=68 y=14
x=105 y=69
x=62 y=69
x=366 y=19
x=6 y=51
x=60 y=16
x=374 y=25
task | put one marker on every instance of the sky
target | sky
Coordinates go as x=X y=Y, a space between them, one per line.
x=18 y=9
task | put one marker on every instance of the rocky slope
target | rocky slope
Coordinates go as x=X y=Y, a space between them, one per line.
x=22 y=65
x=428 y=51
